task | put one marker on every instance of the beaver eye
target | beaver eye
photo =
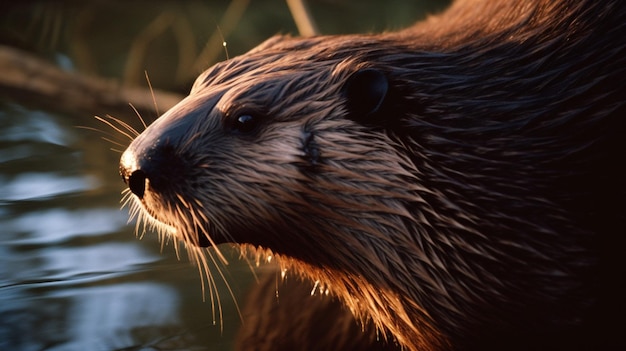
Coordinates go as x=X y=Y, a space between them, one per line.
x=245 y=123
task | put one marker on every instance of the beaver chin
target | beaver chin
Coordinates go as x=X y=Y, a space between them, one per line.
x=166 y=225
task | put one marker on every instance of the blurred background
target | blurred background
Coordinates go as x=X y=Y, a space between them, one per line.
x=73 y=275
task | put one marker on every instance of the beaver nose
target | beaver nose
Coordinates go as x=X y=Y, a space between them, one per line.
x=134 y=178
x=158 y=168
x=136 y=182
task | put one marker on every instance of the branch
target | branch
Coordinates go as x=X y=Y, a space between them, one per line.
x=34 y=81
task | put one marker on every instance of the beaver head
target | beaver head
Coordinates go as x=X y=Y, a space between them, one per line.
x=447 y=181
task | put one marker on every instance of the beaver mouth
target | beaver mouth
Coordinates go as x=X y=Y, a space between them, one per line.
x=165 y=222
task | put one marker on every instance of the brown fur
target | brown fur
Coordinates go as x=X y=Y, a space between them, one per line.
x=281 y=314
x=479 y=205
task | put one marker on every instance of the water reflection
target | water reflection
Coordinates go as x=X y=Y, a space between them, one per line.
x=87 y=318
x=41 y=185
x=72 y=274
x=34 y=126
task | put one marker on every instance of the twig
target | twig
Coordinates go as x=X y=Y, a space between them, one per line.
x=302 y=17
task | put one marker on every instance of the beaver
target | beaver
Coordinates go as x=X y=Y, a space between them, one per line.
x=457 y=184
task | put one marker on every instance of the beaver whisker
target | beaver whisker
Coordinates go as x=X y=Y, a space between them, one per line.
x=114 y=143
x=165 y=234
x=228 y=286
x=107 y=139
x=138 y=114
x=144 y=219
x=135 y=211
x=199 y=224
x=129 y=131
x=192 y=227
x=243 y=252
x=156 y=106
x=121 y=128
x=196 y=255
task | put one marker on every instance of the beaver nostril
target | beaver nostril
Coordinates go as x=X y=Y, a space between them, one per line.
x=137 y=183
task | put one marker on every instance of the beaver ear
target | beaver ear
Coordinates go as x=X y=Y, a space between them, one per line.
x=365 y=92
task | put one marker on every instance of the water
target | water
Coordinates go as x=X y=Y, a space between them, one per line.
x=73 y=276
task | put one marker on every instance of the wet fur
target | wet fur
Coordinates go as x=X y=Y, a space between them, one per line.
x=282 y=314
x=481 y=204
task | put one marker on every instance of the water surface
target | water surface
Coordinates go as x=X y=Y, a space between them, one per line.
x=73 y=276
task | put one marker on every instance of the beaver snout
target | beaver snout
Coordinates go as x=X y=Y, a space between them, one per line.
x=158 y=160
x=156 y=169
x=155 y=176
